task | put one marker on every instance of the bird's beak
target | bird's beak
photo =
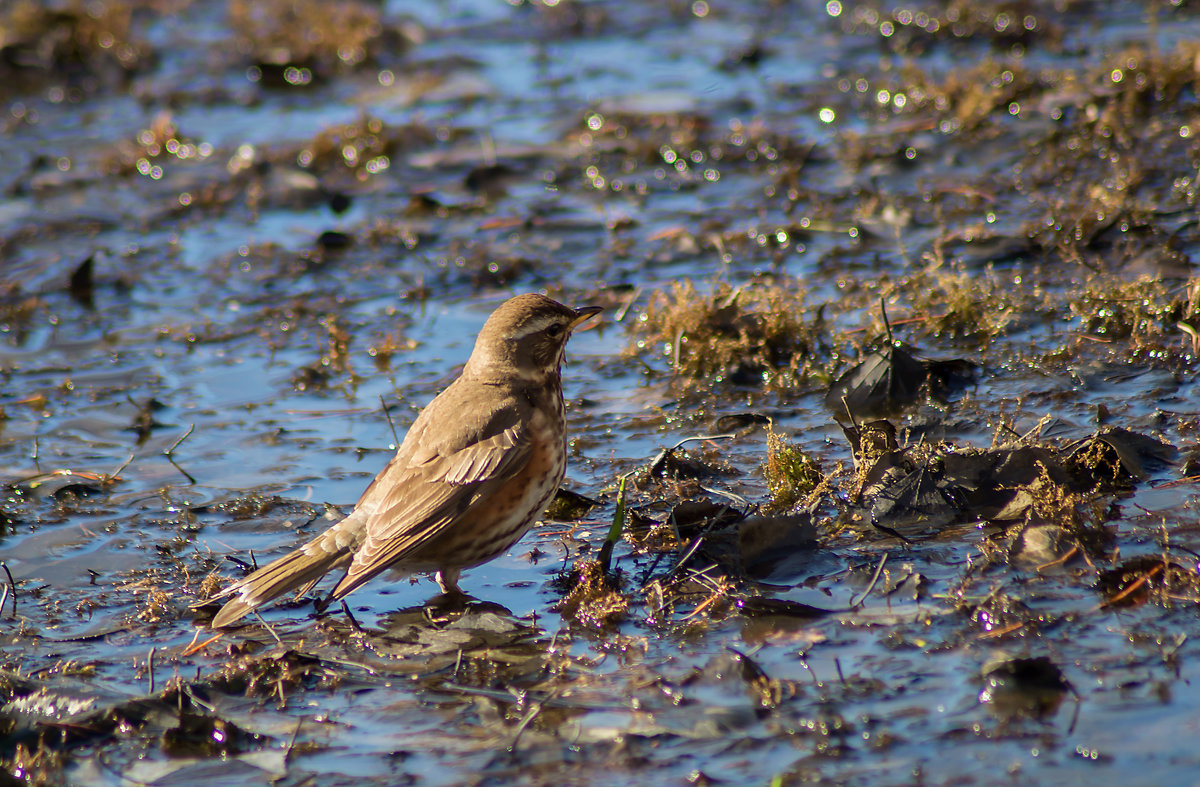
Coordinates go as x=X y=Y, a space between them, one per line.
x=584 y=314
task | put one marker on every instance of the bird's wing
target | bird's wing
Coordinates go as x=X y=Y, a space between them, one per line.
x=411 y=503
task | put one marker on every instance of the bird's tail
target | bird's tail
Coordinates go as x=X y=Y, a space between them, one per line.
x=299 y=569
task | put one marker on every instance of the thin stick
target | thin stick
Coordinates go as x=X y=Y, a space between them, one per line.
x=197 y=647
x=388 y=416
x=687 y=555
x=1072 y=552
x=870 y=586
x=150 y=666
x=182 y=437
x=171 y=451
x=292 y=743
x=13 y=586
x=706 y=603
x=1134 y=586
x=113 y=475
x=621 y=312
x=267 y=626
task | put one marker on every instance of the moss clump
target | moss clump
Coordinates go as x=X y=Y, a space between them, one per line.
x=973 y=309
x=792 y=475
x=306 y=36
x=68 y=36
x=1142 y=308
x=364 y=147
x=594 y=598
x=37 y=764
x=753 y=335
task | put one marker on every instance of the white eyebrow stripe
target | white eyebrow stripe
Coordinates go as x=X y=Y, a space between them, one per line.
x=535 y=326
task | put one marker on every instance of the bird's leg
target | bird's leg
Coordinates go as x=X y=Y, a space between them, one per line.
x=322 y=604
x=447 y=579
x=349 y=614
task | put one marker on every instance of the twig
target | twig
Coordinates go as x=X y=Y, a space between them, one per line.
x=267 y=626
x=1134 y=586
x=534 y=709
x=687 y=440
x=1070 y=553
x=1003 y=630
x=625 y=307
x=706 y=603
x=112 y=476
x=292 y=743
x=687 y=555
x=392 y=426
x=195 y=648
x=150 y=667
x=871 y=585
x=11 y=585
x=170 y=451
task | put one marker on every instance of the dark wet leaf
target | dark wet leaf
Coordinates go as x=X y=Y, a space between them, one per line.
x=885 y=380
x=692 y=515
x=1161 y=579
x=1139 y=456
x=678 y=463
x=1024 y=687
x=739 y=421
x=491 y=180
x=762 y=606
x=334 y=240
x=978 y=252
x=987 y=481
x=921 y=501
x=75 y=709
x=569 y=506
x=340 y=202
x=891 y=378
x=60 y=484
x=770 y=545
x=748 y=57
x=207 y=736
x=82 y=283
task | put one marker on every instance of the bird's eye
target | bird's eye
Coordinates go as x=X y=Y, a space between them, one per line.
x=555 y=330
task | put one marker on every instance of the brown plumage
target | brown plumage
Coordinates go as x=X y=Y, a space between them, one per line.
x=482 y=460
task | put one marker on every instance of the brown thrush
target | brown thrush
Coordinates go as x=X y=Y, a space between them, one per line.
x=482 y=460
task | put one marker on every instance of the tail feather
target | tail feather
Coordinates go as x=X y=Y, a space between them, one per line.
x=297 y=569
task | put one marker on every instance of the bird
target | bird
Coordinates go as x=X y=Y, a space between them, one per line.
x=479 y=464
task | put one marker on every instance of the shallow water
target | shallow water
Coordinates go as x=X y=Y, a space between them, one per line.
x=208 y=313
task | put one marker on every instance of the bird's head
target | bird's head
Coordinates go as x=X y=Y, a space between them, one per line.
x=526 y=335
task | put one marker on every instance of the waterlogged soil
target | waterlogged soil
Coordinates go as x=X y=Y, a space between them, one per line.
x=893 y=396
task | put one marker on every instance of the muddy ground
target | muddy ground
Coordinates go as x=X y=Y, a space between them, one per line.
x=893 y=397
